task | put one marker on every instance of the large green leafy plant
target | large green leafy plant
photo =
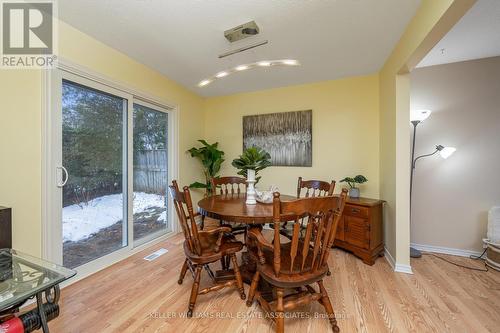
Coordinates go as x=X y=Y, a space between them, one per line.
x=253 y=158
x=211 y=159
x=352 y=181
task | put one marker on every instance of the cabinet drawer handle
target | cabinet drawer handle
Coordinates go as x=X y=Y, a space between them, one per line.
x=355 y=210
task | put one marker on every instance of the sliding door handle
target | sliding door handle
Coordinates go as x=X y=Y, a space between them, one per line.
x=64 y=179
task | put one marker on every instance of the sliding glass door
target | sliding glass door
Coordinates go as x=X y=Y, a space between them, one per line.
x=111 y=159
x=150 y=172
x=94 y=215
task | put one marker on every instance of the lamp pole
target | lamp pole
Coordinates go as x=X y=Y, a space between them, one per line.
x=414 y=253
x=415 y=124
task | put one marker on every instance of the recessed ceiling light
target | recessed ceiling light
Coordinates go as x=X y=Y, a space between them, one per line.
x=221 y=74
x=263 y=63
x=204 y=83
x=290 y=62
x=241 y=67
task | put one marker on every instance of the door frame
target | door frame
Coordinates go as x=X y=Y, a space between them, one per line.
x=51 y=138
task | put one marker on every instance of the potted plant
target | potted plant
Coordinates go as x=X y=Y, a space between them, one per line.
x=211 y=159
x=354 y=190
x=249 y=164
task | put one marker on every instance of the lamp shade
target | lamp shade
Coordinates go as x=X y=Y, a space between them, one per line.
x=419 y=115
x=447 y=152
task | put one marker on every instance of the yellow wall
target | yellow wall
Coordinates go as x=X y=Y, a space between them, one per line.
x=20 y=154
x=432 y=20
x=21 y=125
x=345 y=129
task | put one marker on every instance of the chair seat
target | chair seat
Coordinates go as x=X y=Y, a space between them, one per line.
x=209 y=242
x=208 y=245
x=295 y=277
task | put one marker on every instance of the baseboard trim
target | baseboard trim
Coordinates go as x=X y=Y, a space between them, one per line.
x=389 y=258
x=445 y=250
x=399 y=268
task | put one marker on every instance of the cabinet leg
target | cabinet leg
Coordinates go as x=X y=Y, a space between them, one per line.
x=369 y=261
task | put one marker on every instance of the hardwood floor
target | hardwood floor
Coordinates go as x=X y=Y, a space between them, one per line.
x=140 y=296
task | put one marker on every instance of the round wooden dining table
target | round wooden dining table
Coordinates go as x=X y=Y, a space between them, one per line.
x=232 y=208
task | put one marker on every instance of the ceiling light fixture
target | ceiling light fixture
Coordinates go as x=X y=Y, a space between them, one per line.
x=204 y=83
x=242 y=49
x=239 y=68
x=290 y=62
x=221 y=74
x=264 y=63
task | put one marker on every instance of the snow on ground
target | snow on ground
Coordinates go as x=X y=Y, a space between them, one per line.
x=162 y=217
x=81 y=221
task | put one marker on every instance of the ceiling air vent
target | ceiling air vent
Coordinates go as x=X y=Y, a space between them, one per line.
x=242 y=31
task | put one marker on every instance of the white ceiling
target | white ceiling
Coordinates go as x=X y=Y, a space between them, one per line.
x=475 y=36
x=183 y=38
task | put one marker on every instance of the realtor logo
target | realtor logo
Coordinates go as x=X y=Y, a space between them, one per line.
x=27 y=34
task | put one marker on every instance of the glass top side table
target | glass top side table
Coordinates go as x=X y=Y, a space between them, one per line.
x=23 y=277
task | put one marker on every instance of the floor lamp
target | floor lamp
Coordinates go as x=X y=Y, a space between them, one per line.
x=445 y=152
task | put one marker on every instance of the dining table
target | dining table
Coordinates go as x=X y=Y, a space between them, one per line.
x=232 y=208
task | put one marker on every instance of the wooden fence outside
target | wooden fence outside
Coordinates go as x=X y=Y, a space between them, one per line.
x=150 y=171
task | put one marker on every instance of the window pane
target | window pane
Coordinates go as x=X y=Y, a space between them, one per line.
x=94 y=223
x=150 y=171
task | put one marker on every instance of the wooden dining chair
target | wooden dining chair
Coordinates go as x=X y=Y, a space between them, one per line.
x=314 y=188
x=231 y=185
x=307 y=189
x=294 y=266
x=203 y=247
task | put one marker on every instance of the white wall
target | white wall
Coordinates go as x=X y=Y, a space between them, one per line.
x=451 y=197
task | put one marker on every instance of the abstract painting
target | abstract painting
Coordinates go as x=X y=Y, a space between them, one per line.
x=286 y=136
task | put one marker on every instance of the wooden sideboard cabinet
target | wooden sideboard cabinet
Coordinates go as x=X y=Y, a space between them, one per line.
x=360 y=229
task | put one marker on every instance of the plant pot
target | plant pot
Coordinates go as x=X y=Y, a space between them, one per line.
x=251 y=194
x=354 y=192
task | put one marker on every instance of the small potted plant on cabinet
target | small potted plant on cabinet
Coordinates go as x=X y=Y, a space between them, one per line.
x=353 y=184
